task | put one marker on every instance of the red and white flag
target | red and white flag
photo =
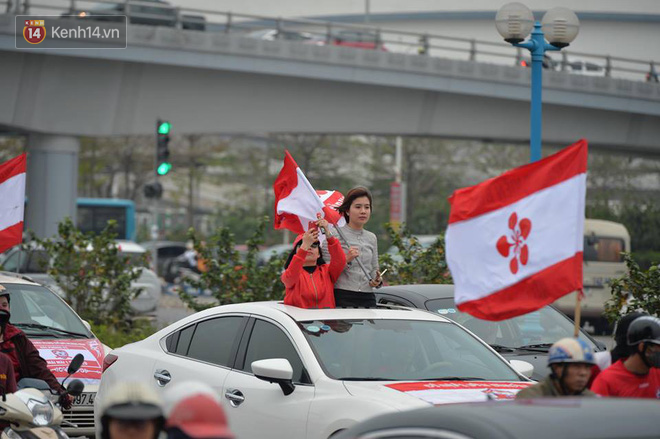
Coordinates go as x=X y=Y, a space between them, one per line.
x=514 y=242
x=12 y=202
x=297 y=203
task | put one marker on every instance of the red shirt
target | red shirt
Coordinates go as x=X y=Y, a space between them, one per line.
x=8 y=348
x=7 y=377
x=313 y=290
x=616 y=380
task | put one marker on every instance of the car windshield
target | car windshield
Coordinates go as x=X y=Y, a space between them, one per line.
x=535 y=330
x=401 y=350
x=40 y=312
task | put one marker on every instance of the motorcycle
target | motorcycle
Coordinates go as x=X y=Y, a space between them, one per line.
x=34 y=410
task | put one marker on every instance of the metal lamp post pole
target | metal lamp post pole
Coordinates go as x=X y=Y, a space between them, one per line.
x=537 y=47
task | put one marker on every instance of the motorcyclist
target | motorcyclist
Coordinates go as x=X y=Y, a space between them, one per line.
x=193 y=411
x=570 y=361
x=24 y=356
x=621 y=350
x=637 y=376
x=131 y=410
x=7 y=375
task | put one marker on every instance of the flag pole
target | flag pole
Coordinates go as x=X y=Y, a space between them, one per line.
x=578 y=310
x=309 y=187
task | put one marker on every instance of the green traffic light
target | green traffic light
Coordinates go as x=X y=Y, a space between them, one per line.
x=164 y=168
x=164 y=128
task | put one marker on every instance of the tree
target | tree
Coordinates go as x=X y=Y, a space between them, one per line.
x=413 y=264
x=230 y=278
x=95 y=278
x=637 y=290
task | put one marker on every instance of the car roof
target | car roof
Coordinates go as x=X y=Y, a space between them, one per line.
x=130 y=246
x=161 y=244
x=426 y=291
x=538 y=418
x=15 y=278
x=303 y=314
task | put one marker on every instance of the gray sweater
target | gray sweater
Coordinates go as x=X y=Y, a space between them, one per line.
x=353 y=278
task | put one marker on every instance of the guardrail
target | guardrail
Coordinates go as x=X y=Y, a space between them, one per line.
x=332 y=33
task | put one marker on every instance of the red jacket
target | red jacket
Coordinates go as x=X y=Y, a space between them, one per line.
x=25 y=358
x=313 y=290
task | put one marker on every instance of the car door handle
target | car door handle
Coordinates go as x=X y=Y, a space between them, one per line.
x=162 y=377
x=235 y=397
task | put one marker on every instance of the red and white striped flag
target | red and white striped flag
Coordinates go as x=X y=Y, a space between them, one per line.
x=12 y=202
x=297 y=203
x=514 y=242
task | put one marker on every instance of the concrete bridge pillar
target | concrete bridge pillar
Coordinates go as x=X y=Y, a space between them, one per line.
x=52 y=182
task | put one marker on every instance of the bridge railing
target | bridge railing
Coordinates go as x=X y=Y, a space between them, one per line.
x=359 y=36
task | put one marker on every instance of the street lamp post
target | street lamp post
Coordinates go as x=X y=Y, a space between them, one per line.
x=514 y=21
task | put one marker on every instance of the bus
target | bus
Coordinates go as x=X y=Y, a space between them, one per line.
x=93 y=215
x=602 y=262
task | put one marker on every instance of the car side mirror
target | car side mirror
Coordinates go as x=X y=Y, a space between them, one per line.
x=87 y=325
x=522 y=367
x=275 y=370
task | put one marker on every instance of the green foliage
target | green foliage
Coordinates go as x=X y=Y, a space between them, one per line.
x=95 y=278
x=414 y=264
x=230 y=278
x=637 y=290
x=117 y=336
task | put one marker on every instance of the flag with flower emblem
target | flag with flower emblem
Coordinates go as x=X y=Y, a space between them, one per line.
x=514 y=242
x=297 y=203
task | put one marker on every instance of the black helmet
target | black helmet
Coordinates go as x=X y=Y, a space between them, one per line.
x=645 y=329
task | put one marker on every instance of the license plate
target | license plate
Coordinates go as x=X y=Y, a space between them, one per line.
x=84 y=399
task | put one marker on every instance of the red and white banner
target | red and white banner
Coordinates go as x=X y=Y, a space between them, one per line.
x=514 y=242
x=297 y=203
x=12 y=206
x=446 y=392
x=59 y=353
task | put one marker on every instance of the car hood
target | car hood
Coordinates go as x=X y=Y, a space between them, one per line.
x=58 y=353
x=408 y=395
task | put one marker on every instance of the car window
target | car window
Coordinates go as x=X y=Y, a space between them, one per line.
x=269 y=341
x=170 y=252
x=541 y=327
x=38 y=262
x=602 y=249
x=401 y=350
x=214 y=339
x=35 y=304
x=182 y=341
x=12 y=261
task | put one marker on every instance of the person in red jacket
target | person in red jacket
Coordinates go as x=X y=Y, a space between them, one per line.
x=23 y=354
x=309 y=281
x=637 y=376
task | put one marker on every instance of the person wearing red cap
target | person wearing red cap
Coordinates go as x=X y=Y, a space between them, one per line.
x=309 y=281
x=194 y=412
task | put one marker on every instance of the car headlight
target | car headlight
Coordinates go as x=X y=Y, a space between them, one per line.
x=42 y=412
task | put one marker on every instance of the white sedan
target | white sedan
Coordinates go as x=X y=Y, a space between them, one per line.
x=287 y=372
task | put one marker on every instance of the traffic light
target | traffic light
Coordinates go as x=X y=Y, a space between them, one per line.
x=163 y=164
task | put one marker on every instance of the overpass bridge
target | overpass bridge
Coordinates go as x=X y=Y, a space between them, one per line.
x=210 y=82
